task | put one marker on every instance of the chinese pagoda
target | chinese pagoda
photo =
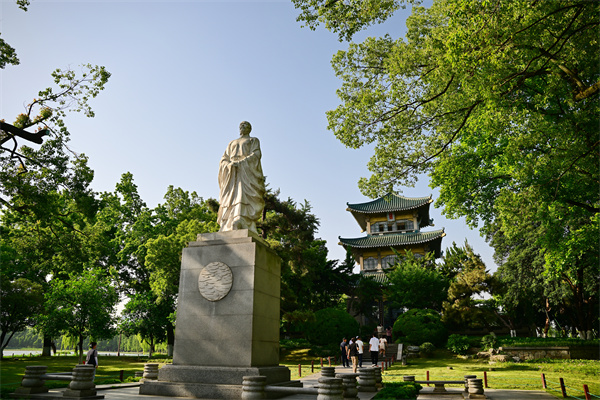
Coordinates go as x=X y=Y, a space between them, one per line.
x=392 y=222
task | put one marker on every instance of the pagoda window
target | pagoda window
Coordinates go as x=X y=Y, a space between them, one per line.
x=405 y=225
x=378 y=227
x=388 y=261
x=370 y=263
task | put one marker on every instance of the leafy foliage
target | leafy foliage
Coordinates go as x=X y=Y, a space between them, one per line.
x=330 y=326
x=81 y=306
x=309 y=281
x=471 y=278
x=499 y=103
x=22 y=300
x=415 y=283
x=417 y=326
x=458 y=344
x=426 y=348
x=489 y=342
x=399 y=390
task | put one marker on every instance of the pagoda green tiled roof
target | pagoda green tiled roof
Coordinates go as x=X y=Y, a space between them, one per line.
x=392 y=239
x=389 y=203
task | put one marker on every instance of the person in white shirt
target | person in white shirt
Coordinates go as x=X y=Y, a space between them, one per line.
x=361 y=346
x=374 y=349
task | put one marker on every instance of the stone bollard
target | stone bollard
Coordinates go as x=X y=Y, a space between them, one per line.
x=475 y=386
x=467 y=377
x=366 y=380
x=328 y=372
x=330 y=389
x=408 y=378
x=349 y=384
x=32 y=383
x=82 y=384
x=253 y=387
x=378 y=379
x=150 y=371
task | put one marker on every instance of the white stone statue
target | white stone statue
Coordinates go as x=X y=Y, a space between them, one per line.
x=241 y=182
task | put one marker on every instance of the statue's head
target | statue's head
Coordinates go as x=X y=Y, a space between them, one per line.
x=245 y=128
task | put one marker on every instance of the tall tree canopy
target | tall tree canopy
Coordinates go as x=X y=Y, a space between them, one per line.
x=498 y=101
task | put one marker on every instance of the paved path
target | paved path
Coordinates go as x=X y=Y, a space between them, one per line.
x=131 y=392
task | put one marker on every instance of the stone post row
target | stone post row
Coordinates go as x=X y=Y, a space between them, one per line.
x=467 y=377
x=349 y=384
x=330 y=389
x=366 y=380
x=82 y=384
x=150 y=371
x=378 y=378
x=475 y=386
x=32 y=383
x=328 y=372
x=253 y=387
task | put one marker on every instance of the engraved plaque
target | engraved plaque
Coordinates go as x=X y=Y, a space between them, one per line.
x=215 y=281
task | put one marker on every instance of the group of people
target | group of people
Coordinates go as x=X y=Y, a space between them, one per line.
x=353 y=350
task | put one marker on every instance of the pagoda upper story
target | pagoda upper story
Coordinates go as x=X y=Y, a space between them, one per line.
x=392 y=222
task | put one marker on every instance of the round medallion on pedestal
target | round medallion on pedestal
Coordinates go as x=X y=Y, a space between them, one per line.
x=215 y=281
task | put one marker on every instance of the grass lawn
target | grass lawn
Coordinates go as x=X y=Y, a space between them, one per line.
x=442 y=365
x=12 y=369
x=525 y=375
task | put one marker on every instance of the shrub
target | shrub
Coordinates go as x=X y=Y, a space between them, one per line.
x=489 y=342
x=399 y=390
x=458 y=344
x=330 y=326
x=427 y=348
x=419 y=326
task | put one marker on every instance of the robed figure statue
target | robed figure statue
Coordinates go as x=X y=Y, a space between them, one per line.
x=241 y=183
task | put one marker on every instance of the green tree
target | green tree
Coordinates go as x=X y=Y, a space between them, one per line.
x=143 y=315
x=414 y=282
x=50 y=226
x=81 y=307
x=462 y=310
x=22 y=300
x=309 y=281
x=497 y=101
x=419 y=326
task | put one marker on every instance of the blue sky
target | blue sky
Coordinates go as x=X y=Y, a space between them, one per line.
x=184 y=75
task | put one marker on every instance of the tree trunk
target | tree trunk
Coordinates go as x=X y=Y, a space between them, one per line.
x=547 y=324
x=80 y=347
x=170 y=340
x=47 y=349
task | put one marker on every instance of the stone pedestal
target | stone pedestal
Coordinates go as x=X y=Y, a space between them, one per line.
x=227 y=318
x=32 y=382
x=82 y=382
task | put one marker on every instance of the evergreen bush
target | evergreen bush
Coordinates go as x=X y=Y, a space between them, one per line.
x=399 y=391
x=418 y=326
x=330 y=326
x=489 y=342
x=458 y=344
x=427 y=349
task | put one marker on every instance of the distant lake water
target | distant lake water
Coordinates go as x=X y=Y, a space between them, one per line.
x=20 y=353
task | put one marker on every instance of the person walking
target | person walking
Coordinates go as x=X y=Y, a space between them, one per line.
x=360 y=345
x=382 y=346
x=353 y=353
x=92 y=358
x=374 y=349
x=388 y=333
x=344 y=350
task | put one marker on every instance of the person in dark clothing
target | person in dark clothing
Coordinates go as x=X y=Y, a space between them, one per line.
x=92 y=357
x=353 y=353
x=344 y=350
